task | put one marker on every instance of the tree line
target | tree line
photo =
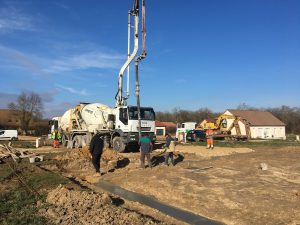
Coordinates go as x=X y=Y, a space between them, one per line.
x=288 y=115
x=29 y=107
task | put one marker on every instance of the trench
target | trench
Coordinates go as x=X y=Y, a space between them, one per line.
x=174 y=212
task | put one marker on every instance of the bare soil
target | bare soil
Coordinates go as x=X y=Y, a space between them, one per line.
x=230 y=185
x=224 y=184
x=87 y=207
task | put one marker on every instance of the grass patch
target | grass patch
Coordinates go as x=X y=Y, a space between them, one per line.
x=17 y=206
x=5 y=173
x=46 y=179
x=252 y=143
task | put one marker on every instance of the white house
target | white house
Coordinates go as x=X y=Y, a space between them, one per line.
x=255 y=124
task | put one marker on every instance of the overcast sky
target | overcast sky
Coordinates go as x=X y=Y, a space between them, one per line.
x=215 y=54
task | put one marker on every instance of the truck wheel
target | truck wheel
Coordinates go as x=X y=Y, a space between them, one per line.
x=118 y=144
x=77 y=142
x=64 y=140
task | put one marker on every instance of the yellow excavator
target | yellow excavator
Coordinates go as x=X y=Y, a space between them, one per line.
x=223 y=129
x=220 y=124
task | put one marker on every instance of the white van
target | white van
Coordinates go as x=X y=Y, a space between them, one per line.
x=183 y=129
x=8 y=135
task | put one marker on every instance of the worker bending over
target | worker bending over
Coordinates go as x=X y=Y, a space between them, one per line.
x=170 y=148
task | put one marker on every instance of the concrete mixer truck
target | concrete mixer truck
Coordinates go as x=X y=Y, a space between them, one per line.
x=118 y=125
x=122 y=124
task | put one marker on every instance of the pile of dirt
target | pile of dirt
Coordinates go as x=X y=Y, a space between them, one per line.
x=82 y=207
x=110 y=155
x=79 y=159
x=74 y=154
x=82 y=152
x=82 y=164
x=107 y=155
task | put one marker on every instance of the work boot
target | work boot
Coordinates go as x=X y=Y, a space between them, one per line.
x=97 y=174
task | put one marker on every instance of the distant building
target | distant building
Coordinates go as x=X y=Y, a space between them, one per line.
x=10 y=120
x=255 y=124
x=164 y=127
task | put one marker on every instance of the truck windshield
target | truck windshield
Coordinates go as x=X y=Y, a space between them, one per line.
x=146 y=113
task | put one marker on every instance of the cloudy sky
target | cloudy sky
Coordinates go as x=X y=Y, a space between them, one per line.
x=216 y=54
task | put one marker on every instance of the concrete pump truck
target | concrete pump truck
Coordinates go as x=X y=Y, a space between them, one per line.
x=122 y=124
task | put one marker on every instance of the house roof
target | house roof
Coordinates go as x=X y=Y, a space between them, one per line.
x=164 y=124
x=10 y=118
x=6 y=114
x=257 y=118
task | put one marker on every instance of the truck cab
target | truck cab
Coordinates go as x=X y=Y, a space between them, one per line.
x=127 y=126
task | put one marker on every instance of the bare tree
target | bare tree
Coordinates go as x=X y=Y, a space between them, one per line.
x=244 y=106
x=180 y=115
x=28 y=106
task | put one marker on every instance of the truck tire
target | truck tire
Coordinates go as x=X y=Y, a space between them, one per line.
x=118 y=144
x=64 y=140
x=77 y=142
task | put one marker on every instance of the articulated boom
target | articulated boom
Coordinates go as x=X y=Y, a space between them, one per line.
x=120 y=99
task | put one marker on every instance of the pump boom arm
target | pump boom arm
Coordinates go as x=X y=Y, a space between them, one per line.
x=119 y=96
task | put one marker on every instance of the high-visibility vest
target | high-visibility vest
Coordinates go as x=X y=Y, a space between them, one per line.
x=55 y=137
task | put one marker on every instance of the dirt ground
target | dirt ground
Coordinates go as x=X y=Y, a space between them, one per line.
x=224 y=184
x=84 y=207
x=230 y=185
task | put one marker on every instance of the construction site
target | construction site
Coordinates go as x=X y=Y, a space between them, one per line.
x=238 y=167
x=247 y=183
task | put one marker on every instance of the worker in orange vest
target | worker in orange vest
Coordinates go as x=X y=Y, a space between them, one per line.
x=209 y=138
